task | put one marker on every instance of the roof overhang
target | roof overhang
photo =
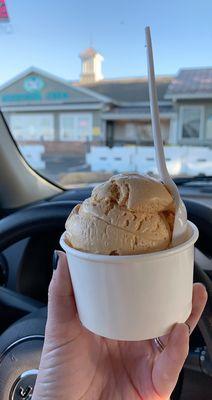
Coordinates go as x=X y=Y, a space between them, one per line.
x=142 y=103
x=134 y=116
x=51 y=107
x=189 y=96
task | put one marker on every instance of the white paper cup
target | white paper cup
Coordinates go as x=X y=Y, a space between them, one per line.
x=133 y=297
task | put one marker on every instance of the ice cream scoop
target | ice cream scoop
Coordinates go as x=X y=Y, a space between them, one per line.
x=129 y=214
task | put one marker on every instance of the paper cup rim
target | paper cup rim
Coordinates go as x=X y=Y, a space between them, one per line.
x=120 y=259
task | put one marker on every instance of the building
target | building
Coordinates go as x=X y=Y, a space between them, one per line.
x=127 y=120
x=69 y=117
x=191 y=95
x=51 y=108
x=94 y=109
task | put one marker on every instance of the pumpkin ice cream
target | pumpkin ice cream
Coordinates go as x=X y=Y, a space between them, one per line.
x=129 y=214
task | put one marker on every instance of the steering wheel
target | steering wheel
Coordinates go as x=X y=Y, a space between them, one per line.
x=21 y=344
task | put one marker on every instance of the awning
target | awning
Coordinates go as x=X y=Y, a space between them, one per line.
x=137 y=113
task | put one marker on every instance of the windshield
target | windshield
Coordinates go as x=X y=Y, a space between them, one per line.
x=74 y=86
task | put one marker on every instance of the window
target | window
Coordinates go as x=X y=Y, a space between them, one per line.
x=191 y=119
x=75 y=127
x=88 y=66
x=32 y=127
x=208 y=123
x=67 y=127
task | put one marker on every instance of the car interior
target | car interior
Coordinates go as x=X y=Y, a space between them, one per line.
x=33 y=213
x=61 y=135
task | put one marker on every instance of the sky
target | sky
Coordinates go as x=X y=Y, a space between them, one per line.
x=50 y=35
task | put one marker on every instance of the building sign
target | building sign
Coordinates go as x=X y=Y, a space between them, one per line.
x=4 y=17
x=35 y=90
x=34 y=97
x=33 y=84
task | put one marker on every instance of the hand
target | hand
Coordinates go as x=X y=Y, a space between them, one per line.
x=78 y=365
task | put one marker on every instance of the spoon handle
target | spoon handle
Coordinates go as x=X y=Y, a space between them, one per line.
x=158 y=143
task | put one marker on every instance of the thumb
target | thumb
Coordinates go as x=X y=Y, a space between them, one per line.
x=61 y=302
x=170 y=361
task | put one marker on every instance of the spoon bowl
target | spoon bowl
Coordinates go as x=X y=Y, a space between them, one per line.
x=180 y=221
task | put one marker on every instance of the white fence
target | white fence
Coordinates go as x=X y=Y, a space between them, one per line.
x=181 y=160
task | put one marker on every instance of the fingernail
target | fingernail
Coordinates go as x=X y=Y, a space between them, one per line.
x=205 y=287
x=189 y=328
x=200 y=283
x=55 y=260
